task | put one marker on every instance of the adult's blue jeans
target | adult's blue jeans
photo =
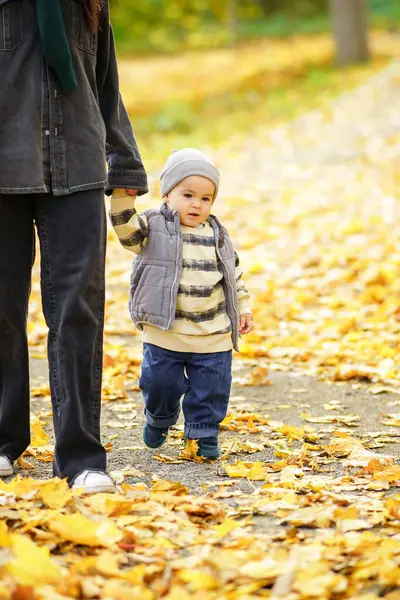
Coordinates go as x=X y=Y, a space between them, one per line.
x=204 y=381
x=72 y=235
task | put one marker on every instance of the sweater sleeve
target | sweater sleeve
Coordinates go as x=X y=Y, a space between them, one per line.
x=242 y=293
x=131 y=228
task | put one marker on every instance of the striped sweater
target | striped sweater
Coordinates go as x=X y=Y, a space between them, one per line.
x=201 y=323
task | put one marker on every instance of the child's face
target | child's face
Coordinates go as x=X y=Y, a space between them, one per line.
x=193 y=199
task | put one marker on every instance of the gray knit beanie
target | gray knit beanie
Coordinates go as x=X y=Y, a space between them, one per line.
x=184 y=163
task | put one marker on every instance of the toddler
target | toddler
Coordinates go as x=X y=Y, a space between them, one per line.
x=188 y=298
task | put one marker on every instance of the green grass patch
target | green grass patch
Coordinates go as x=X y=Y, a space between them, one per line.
x=282 y=26
x=214 y=121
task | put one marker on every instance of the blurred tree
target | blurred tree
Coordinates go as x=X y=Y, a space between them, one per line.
x=232 y=16
x=298 y=8
x=268 y=7
x=349 y=23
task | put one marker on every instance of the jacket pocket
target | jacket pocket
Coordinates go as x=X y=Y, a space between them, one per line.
x=11 y=34
x=84 y=39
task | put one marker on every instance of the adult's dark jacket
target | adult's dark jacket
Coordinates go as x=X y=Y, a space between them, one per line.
x=56 y=142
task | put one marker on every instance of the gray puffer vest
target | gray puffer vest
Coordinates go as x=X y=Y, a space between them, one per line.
x=157 y=270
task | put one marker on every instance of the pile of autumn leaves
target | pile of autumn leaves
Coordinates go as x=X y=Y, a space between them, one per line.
x=338 y=537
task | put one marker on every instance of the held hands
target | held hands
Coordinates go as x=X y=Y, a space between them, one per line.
x=246 y=323
x=120 y=193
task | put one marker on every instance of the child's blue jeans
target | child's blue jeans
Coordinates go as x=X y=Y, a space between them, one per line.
x=203 y=379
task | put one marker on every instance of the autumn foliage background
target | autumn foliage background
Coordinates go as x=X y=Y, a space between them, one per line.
x=304 y=502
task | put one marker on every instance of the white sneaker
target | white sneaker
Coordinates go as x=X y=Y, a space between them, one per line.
x=94 y=481
x=6 y=467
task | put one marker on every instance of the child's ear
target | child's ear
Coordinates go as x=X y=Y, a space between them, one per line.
x=165 y=199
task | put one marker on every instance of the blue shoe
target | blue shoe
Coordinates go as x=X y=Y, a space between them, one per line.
x=154 y=437
x=208 y=448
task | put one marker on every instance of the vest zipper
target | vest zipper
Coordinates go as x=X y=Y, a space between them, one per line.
x=178 y=254
x=231 y=286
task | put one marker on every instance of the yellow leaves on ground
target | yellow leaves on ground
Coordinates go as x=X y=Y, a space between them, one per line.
x=346 y=446
x=39 y=447
x=24 y=464
x=199 y=580
x=244 y=422
x=121 y=369
x=5 y=539
x=38 y=436
x=226 y=527
x=110 y=505
x=392 y=420
x=253 y=471
x=32 y=565
x=107 y=564
x=161 y=486
x=258 y=376
x=125 y=591
x=267 y=569
x=311 y=516
x=319 y=583
x=237 y=446
x=342 y=445
x=79 y=529
x=55 y=493
x=189 y=452
x=349 y=420
x=164 y=542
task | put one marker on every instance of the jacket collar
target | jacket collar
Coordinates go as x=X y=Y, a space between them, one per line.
x=167 y=212
x=219 y=230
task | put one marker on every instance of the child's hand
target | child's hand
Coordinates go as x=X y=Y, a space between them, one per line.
x=121 y=193
x=246 y=323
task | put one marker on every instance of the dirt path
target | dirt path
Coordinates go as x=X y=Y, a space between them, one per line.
x=290 y=395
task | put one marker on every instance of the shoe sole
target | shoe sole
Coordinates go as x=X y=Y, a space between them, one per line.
x=6 y=472
x=99 y=489
x=209 y=457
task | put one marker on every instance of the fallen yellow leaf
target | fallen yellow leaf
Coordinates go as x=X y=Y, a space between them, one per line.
x=32 y=564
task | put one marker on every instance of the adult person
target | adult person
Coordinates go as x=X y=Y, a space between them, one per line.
x=61 y=115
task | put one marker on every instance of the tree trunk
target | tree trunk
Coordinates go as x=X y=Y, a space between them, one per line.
x=268 y=7
x=232 y=17
x=349 y=24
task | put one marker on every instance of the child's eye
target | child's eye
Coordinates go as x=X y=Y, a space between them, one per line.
x=206 y=199
x=188 y=195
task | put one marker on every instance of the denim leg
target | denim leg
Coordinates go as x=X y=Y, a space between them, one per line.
x=206 y=403
x=163 y=383
x=72 y=234
x=16 y=257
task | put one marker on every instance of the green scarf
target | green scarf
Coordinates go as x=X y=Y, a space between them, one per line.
x=55 y=44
